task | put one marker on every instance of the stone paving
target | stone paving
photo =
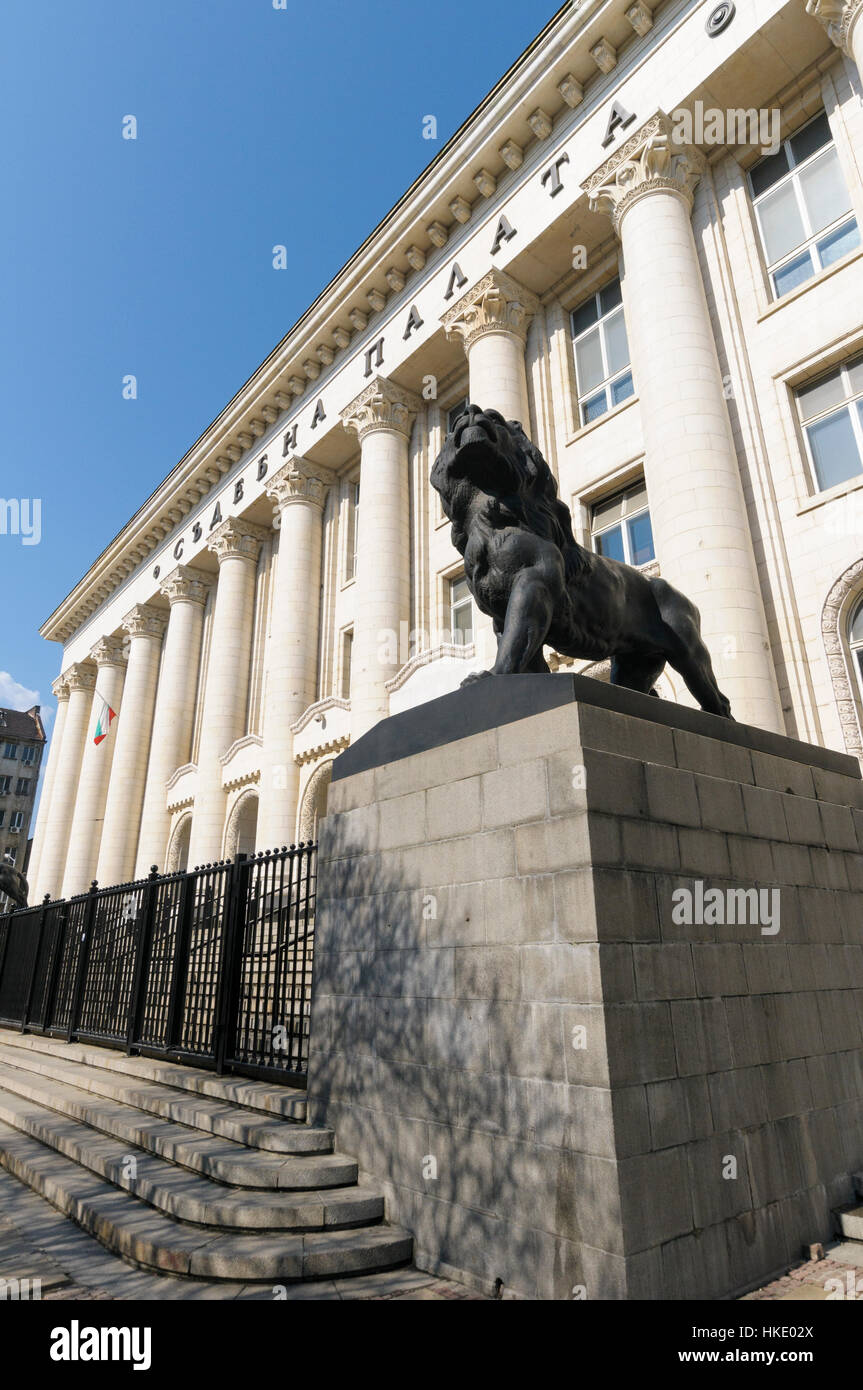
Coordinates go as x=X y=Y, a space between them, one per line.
x=37 y=1243
x=811 y=1279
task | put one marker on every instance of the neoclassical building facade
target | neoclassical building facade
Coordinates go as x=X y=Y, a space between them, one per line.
x=644 y=244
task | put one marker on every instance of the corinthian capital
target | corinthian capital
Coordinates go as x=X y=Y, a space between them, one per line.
x=237 y=538
x=80 y=676
x=496 y=304
x=108 y=651
x=185 y=583
x=145 y=621
x=381 y=406
x=299 y=481
x=650 y=161
x=837 y=16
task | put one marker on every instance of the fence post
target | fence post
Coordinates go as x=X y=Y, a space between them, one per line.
x=181 y=958
x=143 y=937
x=4 y=944
x=61 y=945
x=227 y=998
x=83 y=959
x=28 y=1007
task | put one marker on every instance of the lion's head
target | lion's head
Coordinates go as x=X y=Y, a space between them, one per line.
x=484 y=453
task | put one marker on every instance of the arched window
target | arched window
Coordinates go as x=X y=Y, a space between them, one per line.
x=855 y=640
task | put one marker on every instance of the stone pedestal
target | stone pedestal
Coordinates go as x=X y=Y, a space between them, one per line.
x=533 y=1024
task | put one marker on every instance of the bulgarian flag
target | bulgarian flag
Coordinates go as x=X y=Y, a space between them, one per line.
x=103 y=723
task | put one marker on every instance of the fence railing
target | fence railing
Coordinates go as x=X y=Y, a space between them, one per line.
x=212 y=968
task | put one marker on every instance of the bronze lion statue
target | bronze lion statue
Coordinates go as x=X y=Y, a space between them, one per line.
x=526 y=570
x=13 y=883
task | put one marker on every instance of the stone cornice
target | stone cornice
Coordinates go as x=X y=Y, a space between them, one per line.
x=299 y=481
x=178 y=773
x=247 y=741
x=319 y=707
x=464 y=651
x=650 y=161
x=80 y=676
x=381 y=406
x=145 y=621
x=837 y=16
x=496 y=304
x=109 y=651
x=311 y=755
x=185 y=584
x=245 y=778
x=236 y=537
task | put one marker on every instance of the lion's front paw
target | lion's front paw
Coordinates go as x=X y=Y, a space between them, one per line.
x=476 y=676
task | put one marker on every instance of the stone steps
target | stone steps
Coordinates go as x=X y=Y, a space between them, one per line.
x=184 y=1172
x=225 y=1160
x=259 y=1096
x=210 y=1114
x=152 y=1240
x=185 y=1195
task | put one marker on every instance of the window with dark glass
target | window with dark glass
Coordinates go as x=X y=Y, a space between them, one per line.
x=802 y=207
x=620 y=527
x=461 y=612
x=601 y=347
x=855 y=638
x=831 y=413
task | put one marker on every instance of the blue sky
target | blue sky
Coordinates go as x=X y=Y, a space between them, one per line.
x=256 y=126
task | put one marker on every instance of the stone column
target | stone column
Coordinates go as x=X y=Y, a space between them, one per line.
x=382 y=416
x=491 y=321
x=116 y=864
x=83 y=852
x=80 y=681
x=299 y=489
x=61 y=695
x=697 y=508
x=186 y=591
x=235 y=544
x=843 y=20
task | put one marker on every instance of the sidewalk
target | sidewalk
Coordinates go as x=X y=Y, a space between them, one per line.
x=37 y=1243
x=843 y=1261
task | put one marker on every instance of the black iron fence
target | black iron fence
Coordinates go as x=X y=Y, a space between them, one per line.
x=212 y=968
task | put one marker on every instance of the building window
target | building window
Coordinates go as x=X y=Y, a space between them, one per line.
x=831 y=411
x=460 y=612
x=4 y=786
x=11 y=854
x=2 y=818
x=347 y=653
x=620 y=527
x=601 y=353
x=802 y=207
x=29 y=754
x=855 y=639
x=17 y=820
x=454 y=412
x=11 y=750
x=351 y=540
x=22 y=787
